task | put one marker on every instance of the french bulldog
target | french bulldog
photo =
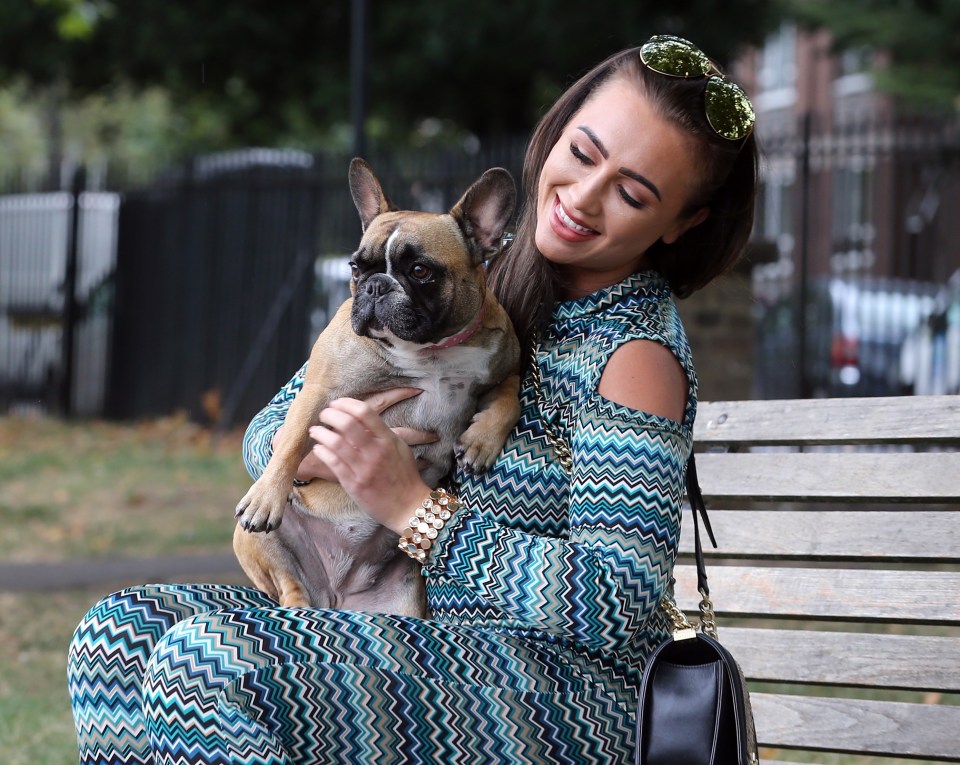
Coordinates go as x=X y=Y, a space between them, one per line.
x=420 y=315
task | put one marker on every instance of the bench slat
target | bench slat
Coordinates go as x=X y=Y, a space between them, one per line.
x=832 y=594
x=852 y=659
x=847 y=477
x=918 y=419
x=855 y=725
x=828 y=535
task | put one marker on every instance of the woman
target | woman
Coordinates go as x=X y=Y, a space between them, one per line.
x=545 y=583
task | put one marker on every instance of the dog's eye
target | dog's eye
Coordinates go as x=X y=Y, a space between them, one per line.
x=354 y=271
x=420 y=271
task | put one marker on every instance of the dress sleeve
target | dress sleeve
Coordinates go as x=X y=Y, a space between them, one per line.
x=258 y=439
x=599 y=585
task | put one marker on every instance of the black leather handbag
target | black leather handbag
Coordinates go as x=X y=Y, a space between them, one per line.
x=694 y=704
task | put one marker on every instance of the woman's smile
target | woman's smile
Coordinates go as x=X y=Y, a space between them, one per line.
x=567 y=226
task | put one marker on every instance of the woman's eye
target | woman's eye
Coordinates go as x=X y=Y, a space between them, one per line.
x=629 y=199
x=420 y=271
x=579 y=155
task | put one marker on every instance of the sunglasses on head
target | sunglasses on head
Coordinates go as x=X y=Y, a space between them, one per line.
x=727 y=107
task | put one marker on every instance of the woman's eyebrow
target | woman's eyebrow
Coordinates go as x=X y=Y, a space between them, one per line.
x=595 y=139
x=644 y=180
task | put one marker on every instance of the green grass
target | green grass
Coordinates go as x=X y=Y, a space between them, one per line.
x=93 y=490
x=98 y=489
x=36 y=726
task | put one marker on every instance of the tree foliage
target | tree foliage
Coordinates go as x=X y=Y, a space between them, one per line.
x=921 y=38
x=278 y=70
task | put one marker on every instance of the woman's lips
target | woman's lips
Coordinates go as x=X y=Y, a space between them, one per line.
x=566 y=227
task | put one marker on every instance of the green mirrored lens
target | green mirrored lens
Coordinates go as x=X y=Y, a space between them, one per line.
x=728 y=109
x=674 y=56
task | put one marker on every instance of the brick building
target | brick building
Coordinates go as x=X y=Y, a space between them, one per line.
x=857 y=216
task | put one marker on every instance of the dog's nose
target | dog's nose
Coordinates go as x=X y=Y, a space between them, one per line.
x=378 y=285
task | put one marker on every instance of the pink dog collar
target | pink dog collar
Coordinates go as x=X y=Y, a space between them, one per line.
x=461 y=337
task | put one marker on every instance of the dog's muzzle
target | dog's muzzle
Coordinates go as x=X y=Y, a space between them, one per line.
x=380 y=303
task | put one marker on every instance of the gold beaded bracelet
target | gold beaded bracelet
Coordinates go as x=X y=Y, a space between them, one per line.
x=417 y=539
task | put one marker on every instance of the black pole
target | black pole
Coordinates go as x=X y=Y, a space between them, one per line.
x=70 y=309
x=358 y=75
x=802 y=292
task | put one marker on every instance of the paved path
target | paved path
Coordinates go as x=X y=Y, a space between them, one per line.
x=68 y=575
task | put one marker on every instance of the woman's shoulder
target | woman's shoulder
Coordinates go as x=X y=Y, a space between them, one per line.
x=632 y=339
x=646 y=376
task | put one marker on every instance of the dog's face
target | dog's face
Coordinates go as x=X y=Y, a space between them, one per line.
x=413 y=278
x=418 y=277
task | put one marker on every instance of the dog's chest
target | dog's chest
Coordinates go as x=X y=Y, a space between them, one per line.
x=444 y=399
x=450 y=381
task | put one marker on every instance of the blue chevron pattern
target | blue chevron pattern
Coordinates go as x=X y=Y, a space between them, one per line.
x=544 y=592
x=258 y=440
x=108 y=657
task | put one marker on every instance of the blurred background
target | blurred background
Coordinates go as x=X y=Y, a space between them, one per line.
x=174 y=209
x=175 y=221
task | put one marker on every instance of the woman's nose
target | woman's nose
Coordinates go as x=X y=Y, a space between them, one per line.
x=585 y=194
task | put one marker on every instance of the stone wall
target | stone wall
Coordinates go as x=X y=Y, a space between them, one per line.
x=720 y=327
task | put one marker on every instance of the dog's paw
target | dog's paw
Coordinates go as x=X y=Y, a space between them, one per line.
x=481 y=443
x=477 y=449
x=260 y=510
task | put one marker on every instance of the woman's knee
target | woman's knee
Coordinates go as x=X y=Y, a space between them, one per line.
x=200 y=652
x=125 y=625
x=193 y=685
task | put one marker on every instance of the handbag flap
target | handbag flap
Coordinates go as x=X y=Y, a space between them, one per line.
x=685 y=683
x=682 y=714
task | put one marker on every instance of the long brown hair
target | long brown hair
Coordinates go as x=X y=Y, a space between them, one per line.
x=528 y=285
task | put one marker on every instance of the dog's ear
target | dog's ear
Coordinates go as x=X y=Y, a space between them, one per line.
x=367 y=193
x=484 y=211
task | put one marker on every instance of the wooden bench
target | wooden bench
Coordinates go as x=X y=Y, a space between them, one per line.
x=837 y=578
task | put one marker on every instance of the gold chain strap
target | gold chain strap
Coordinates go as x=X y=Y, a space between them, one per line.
x=708 y=619
x=680 y=623
x=677 y=618
x=556 y=440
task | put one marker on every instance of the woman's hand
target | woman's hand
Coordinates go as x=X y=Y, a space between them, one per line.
x=313 y=467
x=372 y=464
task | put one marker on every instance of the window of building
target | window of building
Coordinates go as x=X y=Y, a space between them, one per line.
x=852 y=226
x=774 y=218
x=854 y=72
x=777 y=76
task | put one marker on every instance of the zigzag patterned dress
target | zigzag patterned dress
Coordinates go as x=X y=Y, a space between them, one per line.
x=544 y=592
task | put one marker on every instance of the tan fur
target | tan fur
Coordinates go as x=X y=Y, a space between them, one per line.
x=321 y=550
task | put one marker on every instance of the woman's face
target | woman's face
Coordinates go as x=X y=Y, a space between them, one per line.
x=615 y=183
